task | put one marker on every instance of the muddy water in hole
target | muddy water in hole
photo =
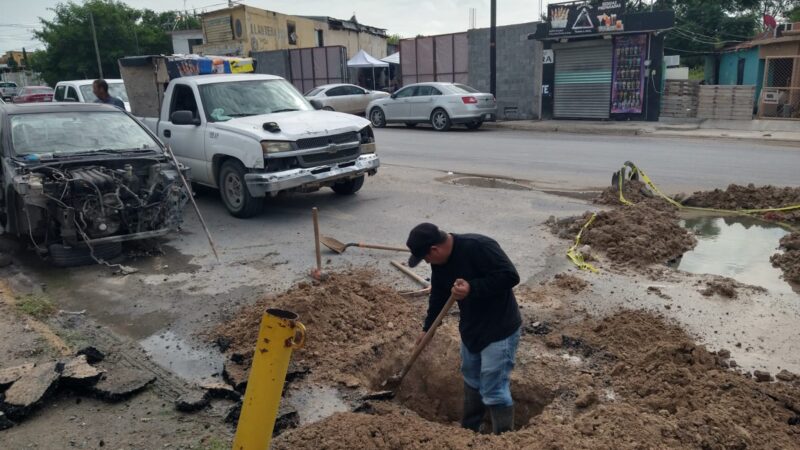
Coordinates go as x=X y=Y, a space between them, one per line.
x=736 y=247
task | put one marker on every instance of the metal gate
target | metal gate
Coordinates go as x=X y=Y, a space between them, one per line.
x=780 y=95
x=305 y=68
x=582 y=79
x=435 y=58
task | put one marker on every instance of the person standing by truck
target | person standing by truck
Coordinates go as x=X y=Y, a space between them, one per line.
x=100 y=89
x=475 y=270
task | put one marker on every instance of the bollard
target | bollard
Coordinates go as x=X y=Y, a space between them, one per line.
x=279 y=334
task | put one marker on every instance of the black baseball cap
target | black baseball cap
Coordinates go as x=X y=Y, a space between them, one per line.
x=421 y=239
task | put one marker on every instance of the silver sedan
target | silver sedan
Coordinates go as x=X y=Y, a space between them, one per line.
x=440 y=104
x=347 y=98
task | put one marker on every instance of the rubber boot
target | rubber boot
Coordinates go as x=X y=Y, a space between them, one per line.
x=474 y=409
x=502 y=418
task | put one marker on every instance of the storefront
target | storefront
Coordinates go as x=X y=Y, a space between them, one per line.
x=601 y=62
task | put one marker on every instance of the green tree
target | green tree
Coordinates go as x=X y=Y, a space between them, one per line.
x=393 y=39
x=121 y=31
x=25 y=59
x=794 y=14
x=12 y=64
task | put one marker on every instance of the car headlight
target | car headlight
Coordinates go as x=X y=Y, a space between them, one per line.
x=367 y=140
x=276 y=147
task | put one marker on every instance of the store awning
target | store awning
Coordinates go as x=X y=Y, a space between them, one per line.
x=394 y=58
x=365 y=60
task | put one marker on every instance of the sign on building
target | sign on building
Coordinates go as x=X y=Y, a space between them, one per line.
x=583 y=17
x=547 y=56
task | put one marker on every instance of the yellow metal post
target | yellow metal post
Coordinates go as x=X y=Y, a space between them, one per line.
x=279 y=334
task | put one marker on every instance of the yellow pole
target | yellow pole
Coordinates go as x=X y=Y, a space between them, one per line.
x=279 y=334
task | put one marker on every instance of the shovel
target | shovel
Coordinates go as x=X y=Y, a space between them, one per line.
x=340 y=247
x=394 y=381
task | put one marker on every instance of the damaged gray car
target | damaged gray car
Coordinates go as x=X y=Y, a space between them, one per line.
x=80 y=179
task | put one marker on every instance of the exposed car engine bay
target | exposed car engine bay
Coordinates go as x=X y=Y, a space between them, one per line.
x=74 y=203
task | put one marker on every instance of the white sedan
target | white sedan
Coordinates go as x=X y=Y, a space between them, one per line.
x=440 y=104
x=347 y=98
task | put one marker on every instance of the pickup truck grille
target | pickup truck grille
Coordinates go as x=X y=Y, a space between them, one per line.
x=323 y=141
x=317 y=159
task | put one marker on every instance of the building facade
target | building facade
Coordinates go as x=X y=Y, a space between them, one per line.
x=185 y=41
x=242 y=29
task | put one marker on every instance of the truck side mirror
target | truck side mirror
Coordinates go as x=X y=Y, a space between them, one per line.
x=316 y=104
x=183 y=117
x=394 y=96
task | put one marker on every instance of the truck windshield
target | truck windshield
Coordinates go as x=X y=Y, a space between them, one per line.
x=77 y=132
x=224 y=101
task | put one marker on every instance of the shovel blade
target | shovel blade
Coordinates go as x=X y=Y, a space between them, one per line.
x=333 y=244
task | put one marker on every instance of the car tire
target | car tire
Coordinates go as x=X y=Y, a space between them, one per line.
x=411 y=124
x=328 y=108
x=64 y=256
x=350 y=186
x=234 y=192
x=474 y=125
x=440 y=120
x=377 y=117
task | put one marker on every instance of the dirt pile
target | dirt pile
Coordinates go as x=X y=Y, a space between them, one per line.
x=789 y=260
x=631 y=380
x=751 y=197
x=634 y=191
x=569 y=282
x=349 y=319
x=634 y=235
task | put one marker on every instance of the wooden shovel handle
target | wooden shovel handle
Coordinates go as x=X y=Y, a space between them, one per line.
x=382 y=247
x=428 y=336
x=411 y=274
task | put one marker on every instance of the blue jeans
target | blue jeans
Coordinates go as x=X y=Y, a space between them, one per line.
x=489 y=371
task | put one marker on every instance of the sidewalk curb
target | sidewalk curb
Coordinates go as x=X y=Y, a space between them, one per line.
x=666 y=132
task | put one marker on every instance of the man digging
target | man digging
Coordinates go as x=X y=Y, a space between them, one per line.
x=476 y=271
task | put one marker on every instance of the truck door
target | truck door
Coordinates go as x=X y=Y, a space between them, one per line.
x=187 y=141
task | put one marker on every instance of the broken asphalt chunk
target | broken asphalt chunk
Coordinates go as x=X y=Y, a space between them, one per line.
x=121 y=383
x=221 y=390
x=192 y=401
x=235 y=375
x=93 y=355
x=28 y=391
x=11 y=374
x=4 y=422
x=78 y=372
x=287 y=418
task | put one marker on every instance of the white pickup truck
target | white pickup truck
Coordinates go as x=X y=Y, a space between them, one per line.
x=252 y=135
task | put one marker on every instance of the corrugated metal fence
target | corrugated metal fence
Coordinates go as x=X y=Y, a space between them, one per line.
x=305 y=68
x=435 y=58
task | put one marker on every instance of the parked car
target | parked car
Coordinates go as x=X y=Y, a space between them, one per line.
x=79 y=179
x=440 y=104
x=347 y=98
x=251 y=135
x=8 y=89
x=81 y=91
x=34 y=94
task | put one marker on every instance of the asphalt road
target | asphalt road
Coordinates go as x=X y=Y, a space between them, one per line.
x=570 y=161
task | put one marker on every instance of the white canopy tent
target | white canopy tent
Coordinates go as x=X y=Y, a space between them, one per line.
x=394 y=58
x=364 y=60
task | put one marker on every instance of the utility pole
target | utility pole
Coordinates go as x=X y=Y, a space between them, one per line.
x=96 y=49
x=493 y=50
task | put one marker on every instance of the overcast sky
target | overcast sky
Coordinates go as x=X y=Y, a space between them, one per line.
x=406 y=17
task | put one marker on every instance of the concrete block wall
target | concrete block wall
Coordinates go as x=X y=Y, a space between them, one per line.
x=519 y=69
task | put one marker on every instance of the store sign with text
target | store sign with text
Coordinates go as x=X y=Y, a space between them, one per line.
x=584 y=17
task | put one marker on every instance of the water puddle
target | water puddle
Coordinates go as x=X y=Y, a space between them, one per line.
x=314 y=403
x=189 y=361
x=736 y=247
x=491 y=183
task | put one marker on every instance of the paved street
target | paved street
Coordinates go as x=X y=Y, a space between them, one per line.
x=567 y=161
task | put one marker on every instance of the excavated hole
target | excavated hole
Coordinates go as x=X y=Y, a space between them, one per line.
x=491 y=183
x=434 y=386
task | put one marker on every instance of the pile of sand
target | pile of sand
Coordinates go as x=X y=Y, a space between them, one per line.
x=348 y=317
x=640 y=383
x=634 y=235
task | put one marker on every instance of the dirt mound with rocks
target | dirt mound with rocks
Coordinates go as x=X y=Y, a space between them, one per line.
x=789 y=260
x=569 y=283
x=632 y=235
x=631 y=380
x=751 y=197
x=348 y=318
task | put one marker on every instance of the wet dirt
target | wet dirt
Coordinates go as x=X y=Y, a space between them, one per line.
x=735 y=247
x=632 y=235
x=569 y=283
x=192 y=361
x=749 y=197
x=491 y=183
x=651 y=386
x=789 y=260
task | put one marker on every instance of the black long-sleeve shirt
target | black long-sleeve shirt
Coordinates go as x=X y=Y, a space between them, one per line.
x=490 y=312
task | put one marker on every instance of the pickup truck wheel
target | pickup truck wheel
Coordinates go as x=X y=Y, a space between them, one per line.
x=440 y=120
x=377 y=117
x=349 y=187
x=63 y=256
x=234 y=192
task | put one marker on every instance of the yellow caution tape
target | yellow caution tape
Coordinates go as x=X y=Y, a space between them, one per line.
x=576 y=256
